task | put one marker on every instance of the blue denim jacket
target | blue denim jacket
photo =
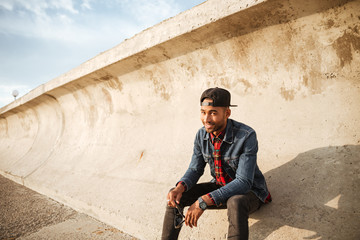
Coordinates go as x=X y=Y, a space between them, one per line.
x=238 y=154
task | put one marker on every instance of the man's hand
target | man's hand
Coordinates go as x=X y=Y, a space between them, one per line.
x=193 y=214
x=175 y=195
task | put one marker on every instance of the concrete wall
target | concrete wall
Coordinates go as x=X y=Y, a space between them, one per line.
x=110 y=137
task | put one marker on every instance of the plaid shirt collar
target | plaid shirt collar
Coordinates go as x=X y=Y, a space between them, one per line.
x=221 y=136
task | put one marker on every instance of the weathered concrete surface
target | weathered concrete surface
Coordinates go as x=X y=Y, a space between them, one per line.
x=25 y=214
x=110 y=137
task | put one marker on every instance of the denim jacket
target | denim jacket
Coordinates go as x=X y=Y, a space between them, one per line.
x=238 y=155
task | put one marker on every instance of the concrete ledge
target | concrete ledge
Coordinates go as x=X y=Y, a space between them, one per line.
x=203 y=26
x=165 y=31
x=110 y=137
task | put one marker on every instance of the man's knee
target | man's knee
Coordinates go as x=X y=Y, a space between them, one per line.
x=247 y=203
x=238 y=203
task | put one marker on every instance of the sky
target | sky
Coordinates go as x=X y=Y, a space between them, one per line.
x=43 y=39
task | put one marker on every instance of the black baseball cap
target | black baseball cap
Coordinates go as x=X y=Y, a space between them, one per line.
x=221 y=97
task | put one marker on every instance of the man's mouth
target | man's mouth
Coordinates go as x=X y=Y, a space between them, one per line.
x=208 y=125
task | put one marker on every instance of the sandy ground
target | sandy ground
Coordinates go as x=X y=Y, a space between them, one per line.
x=25 y=214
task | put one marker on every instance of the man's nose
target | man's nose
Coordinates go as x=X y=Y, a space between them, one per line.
x=207 y=118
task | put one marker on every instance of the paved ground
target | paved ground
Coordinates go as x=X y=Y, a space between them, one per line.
x=27 y=215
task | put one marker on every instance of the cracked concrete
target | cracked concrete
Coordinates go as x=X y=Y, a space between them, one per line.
x=27 y=215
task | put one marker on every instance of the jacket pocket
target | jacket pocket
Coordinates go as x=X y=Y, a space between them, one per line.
x=207 y=158
x=233 y=162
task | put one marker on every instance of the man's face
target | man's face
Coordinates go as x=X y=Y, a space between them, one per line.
x=214 y=118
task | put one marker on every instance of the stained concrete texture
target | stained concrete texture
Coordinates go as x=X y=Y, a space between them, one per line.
x=27 y=215
x=313 y=197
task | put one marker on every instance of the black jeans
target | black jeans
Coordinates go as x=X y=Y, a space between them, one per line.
x=239 y=207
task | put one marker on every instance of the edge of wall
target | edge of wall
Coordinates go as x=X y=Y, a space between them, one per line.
x=197 y=17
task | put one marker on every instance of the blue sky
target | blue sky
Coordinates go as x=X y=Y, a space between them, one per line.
x=42 y=39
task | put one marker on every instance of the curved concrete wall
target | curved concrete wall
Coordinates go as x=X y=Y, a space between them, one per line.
x=110 y=137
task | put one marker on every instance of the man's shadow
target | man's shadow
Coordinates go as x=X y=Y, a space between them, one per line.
x=318 y=191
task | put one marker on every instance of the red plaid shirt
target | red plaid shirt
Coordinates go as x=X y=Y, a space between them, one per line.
x=221 y=177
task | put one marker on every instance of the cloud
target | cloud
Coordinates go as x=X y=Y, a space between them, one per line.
x=86 y=4
x=65 y=19
x=47 y=38
x=7 y=5
x=39 y=7
x=37 y=18
x=63 y=4
x=153 y=11
x=75 y=21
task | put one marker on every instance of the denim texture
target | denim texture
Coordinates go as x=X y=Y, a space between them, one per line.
x=239 y=160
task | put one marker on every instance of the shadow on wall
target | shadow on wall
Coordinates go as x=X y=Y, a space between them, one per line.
x=318 y=191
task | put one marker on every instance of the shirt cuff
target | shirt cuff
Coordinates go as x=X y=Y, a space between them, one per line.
x=182 y=183
x=209 y=195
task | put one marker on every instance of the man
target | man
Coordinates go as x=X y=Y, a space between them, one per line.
x=230 y=148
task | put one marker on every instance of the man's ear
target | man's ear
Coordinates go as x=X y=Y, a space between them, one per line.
x=227 y=112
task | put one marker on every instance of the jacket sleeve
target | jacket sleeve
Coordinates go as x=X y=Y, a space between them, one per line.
x=197 y=164
x=244 y=174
